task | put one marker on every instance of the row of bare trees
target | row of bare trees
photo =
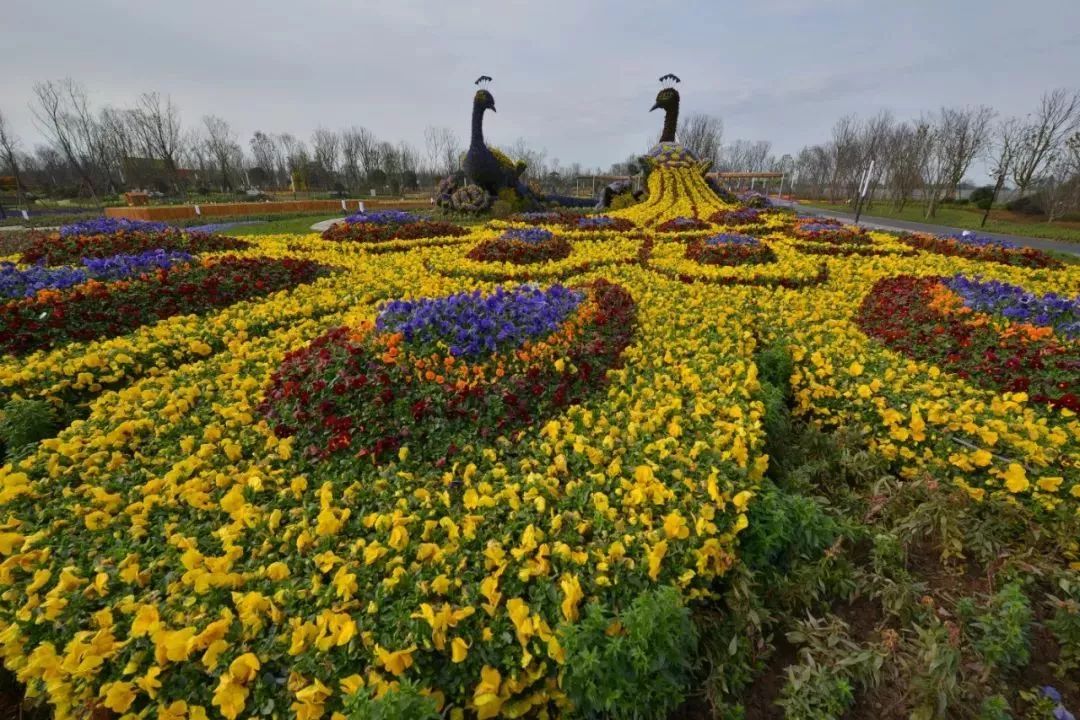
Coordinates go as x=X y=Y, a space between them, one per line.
x=93 y=151
x=928 y=158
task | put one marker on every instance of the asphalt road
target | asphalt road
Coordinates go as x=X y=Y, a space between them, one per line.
x=877 y=223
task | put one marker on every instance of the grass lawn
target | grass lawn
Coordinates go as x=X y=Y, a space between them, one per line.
x=1001 y=221
x=290 y=225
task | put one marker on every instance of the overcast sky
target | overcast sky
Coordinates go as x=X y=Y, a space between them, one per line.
x=573 y=77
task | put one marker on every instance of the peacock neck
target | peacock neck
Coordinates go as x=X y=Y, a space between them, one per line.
x=671 y=121
x=477 y=126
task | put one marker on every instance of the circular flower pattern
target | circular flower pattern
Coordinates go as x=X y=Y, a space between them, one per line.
x=730 y=249
x=951 y=322
x=522 y=247
x=682 y=224
x=430 y=373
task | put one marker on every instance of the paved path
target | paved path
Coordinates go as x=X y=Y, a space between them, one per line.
x=878 y=223
x=325 y=224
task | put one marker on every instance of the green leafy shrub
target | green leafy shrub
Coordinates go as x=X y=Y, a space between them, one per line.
x=633 y=664
x=982 y=197
x=1001 y=633
x=994 y=707
x=1027 y=205
x=401 y=703
x=1006 y=628
x=1065 y=625
x=24 y=422
x=814 y=692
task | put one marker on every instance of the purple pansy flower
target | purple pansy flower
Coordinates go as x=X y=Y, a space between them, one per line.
x=1015 y=303
x=472 y=324
x=109 y=225
x=383 y=217
x=528 y=235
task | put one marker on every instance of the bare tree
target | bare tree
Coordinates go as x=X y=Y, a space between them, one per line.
x=1058 y=116
x=158 y=122
x=959 y=136
x=326 y=151
x=443 y=149
x=58 y=123
x=702 y=135
x=264 y=152
x=9 y=145
x=221 y=145
x=1002 y=152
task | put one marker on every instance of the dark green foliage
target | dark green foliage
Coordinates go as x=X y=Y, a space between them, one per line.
x=982 y=197
x=813 y=692
x=1027 y=205
x=1065 y=625
x=641 y=669
x=401 y=703
x=24 y=422
x=784 y=529
x=994 y=707
x=1001 y=632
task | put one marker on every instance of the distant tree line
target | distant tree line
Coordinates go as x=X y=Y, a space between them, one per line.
x=929 y=157
x=98 y=152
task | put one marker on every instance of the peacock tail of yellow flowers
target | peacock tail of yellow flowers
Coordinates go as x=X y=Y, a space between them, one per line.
x=674 y=191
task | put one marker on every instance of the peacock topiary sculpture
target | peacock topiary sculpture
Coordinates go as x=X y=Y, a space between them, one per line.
x=489 y=170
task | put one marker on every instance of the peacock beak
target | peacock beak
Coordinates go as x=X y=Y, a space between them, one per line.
x=654 y=107
x=492 y=108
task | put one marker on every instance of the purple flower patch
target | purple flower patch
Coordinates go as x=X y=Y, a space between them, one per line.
x=970 y=238
x=528 y=235
x=109 y=225
x=1015 y=303
x=15 y=283
x=473 y=324
x=383 y=217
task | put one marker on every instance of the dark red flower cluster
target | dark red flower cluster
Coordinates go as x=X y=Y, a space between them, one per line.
x=507 y=249
x=950 y=247
x=822 y=232
x=54 y=249
x=683 y=224
x=550 y=217
x=366 y=393
x=93 y=310
x=898 y=311
x=368 y=232
x=725 y=253
x=841 y=251
x=738 y=216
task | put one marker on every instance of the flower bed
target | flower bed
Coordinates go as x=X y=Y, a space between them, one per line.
x=387 y=225
x=459 y=364
x=682 y=224
x=974 y=247
x=828 y=233
x=849 y=250
x=66 y=249
x=924 y=317
x=730 y=249
x=679 y=261
x=522 y=247
x=444 y=516
x=737 y=216
x=94 y=309
x=16 y=282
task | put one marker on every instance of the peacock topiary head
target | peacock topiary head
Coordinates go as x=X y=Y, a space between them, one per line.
x=483 y=100
x=666 y=99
